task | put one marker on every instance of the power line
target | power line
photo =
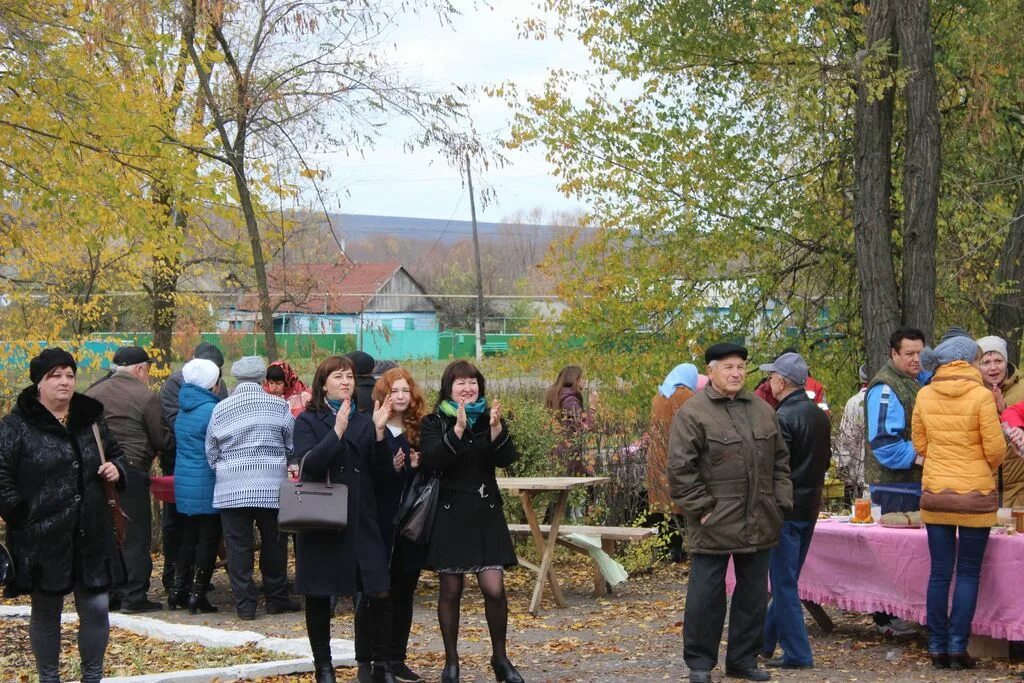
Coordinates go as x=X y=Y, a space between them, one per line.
x=416 y=268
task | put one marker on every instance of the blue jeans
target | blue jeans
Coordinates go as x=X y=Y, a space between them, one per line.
x=784 y=623
x=950 y=628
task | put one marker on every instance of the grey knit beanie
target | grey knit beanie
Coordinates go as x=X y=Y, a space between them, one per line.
x=953 y=349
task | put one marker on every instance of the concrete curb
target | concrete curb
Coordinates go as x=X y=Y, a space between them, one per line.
x=343 y=649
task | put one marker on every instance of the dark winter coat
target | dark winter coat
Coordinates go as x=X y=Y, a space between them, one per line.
x=726 y=457
x=327 y=562
x=470 y=529
x=193 y=478
x=390 y=487
x=58 y=525
x=807 y=431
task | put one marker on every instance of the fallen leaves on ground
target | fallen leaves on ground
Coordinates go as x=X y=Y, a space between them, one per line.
x=128 y=654
x=635 y=634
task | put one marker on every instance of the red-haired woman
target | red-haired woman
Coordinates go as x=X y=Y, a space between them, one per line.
x=398 y=410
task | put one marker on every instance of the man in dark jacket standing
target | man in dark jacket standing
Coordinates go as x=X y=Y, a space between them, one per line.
x=729 y=472
x=363 y=363
x=172 y=523
x=132 y=412
x=808 y=434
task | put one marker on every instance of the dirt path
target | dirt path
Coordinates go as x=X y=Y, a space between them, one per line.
x=633 y=635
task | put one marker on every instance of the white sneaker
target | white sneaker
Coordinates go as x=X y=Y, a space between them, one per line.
x=897 y=628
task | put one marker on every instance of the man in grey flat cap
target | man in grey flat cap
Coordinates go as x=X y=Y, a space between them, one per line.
x=248 y=443
x=807 y=432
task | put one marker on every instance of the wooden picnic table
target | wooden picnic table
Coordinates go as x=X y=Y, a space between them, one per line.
x=526 y=488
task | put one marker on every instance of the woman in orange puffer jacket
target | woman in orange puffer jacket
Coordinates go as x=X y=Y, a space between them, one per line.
x=956 y=430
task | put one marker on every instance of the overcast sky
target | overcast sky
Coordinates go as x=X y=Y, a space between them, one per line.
x=482 y=48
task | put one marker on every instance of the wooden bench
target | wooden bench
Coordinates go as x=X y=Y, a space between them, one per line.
x=609 y=535
x=492 y=348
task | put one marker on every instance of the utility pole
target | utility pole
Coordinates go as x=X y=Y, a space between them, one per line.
x=479 y=271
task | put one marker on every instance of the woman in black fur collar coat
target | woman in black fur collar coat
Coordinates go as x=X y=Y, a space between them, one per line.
x=59 y=527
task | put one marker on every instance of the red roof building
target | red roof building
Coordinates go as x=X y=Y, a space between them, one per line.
x=341 y=297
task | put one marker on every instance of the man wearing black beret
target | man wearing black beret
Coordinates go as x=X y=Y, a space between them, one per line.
x=728 y=470
x=132 y=411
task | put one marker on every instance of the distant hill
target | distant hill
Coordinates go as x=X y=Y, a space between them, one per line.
x=437 y=253
x=355 y=228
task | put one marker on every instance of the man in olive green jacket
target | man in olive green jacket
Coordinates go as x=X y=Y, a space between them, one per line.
x=729 y=472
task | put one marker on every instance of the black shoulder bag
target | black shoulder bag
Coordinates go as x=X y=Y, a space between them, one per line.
x=415 y=517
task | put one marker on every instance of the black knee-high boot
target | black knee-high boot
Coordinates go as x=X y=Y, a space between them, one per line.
x=197 y=601
x=178 y=595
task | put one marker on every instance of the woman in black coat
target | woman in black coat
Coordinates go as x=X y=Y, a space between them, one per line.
x=398 y=412
x=331 y=437
x=465 y=440
x=59 y=528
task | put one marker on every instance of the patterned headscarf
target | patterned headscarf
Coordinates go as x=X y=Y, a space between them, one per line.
x=293 y=386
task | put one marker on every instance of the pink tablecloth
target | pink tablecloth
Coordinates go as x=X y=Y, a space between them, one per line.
x=871 y=568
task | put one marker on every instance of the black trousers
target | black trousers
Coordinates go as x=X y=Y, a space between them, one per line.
x=173 y=526
x=199 y=544
x=704 y=615
x=138 y=536
x=403 y=592
x=239 y=541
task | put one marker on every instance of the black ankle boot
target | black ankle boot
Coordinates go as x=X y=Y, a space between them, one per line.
x=939 y=660
x=323 y=664
x=177 y=595
x=504 y=672
x=382 y=673
x=324 y=672
x=450 y=673
x=197 y=601
x=403 y=674
x=962 y=661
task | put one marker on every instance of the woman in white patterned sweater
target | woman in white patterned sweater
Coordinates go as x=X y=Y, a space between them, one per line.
x=248 y=443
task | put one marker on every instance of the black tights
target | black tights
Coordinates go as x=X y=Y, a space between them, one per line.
x=200 y=541
x=318 y=627
x=449 y=605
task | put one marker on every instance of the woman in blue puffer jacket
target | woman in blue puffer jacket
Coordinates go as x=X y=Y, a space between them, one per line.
x=193 y=487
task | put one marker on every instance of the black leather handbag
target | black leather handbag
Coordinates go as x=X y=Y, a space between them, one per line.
x=415 y=518
x=312 y=505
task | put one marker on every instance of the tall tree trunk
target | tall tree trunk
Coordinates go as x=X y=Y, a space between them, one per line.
x=166 y=271
x=259 y=264
x=922 y=159
x=1007 y=314
x=872 y=200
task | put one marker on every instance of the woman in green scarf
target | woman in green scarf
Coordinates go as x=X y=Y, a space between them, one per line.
x=464 y=440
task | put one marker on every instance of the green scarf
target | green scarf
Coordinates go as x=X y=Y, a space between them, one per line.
x=473 y=410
